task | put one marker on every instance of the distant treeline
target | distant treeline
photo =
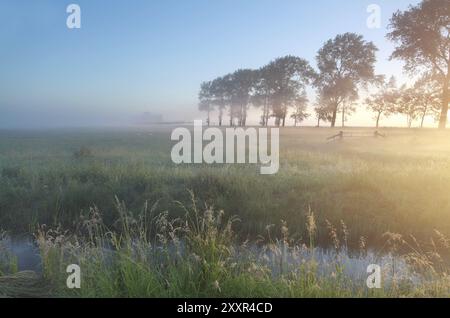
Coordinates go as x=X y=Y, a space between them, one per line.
x=345 y=65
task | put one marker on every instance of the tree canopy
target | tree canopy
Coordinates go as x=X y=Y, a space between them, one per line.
x=422 y=35
x=344 y=63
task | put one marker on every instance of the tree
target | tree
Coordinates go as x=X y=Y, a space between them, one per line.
x=264 y=87
x=286 y=78
x=347 y=108
x=300 y=106
x=219 y=91
x=206 y=100
x=422 y=35
x=323 y=109
x=345 y=62
x=383 y=102
x=242 y=85
x=407 y=104
x=428 y=98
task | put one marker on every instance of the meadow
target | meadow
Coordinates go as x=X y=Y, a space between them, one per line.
x=113 y=201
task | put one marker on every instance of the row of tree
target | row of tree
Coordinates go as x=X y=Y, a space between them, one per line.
x=345 y=65
x=416 y=103
x=274 y=88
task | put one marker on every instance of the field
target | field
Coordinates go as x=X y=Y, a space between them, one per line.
x=112 y=201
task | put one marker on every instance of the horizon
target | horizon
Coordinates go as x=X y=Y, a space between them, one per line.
x=151 y=57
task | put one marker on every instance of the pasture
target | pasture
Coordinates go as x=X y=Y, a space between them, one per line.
x=400 y=183
x=358 y=191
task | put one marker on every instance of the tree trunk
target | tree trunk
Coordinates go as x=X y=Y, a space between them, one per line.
x=318 y=122
x=378 y=120
x=266 y=112
x=220 y=117
x=333 y=120
x=263 y=118
x=423 y=117
x=244 y=115
x=444 y=111
x=343 y=116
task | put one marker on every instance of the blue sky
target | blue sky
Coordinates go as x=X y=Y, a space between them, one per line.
x=140 y=56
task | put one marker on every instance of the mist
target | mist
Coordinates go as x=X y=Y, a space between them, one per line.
x=43 y=117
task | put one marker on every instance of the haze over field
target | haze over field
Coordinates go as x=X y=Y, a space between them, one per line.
x=108 y=190
x=149 y=56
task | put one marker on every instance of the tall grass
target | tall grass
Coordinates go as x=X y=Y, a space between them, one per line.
x=370 y=201
x=399 y=184
x=348 y=196
x=8 y=262
x=198 y=255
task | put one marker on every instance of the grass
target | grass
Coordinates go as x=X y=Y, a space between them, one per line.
x=8 y=262
x=373 y=186
x=199 y=256
x=399 y=184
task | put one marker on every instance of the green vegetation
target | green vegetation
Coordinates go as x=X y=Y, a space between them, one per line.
x=399 y=184
x=198 y=256
x=120 y=210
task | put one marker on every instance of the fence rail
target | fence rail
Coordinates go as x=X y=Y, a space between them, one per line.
x=341 y=135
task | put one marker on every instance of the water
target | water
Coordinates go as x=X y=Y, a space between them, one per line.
x=25 y=252
x=277 y=258
x=329 y=262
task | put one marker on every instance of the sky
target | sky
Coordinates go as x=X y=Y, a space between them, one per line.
x=131 y=57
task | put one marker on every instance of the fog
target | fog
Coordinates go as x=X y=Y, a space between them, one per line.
x=49 y=117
